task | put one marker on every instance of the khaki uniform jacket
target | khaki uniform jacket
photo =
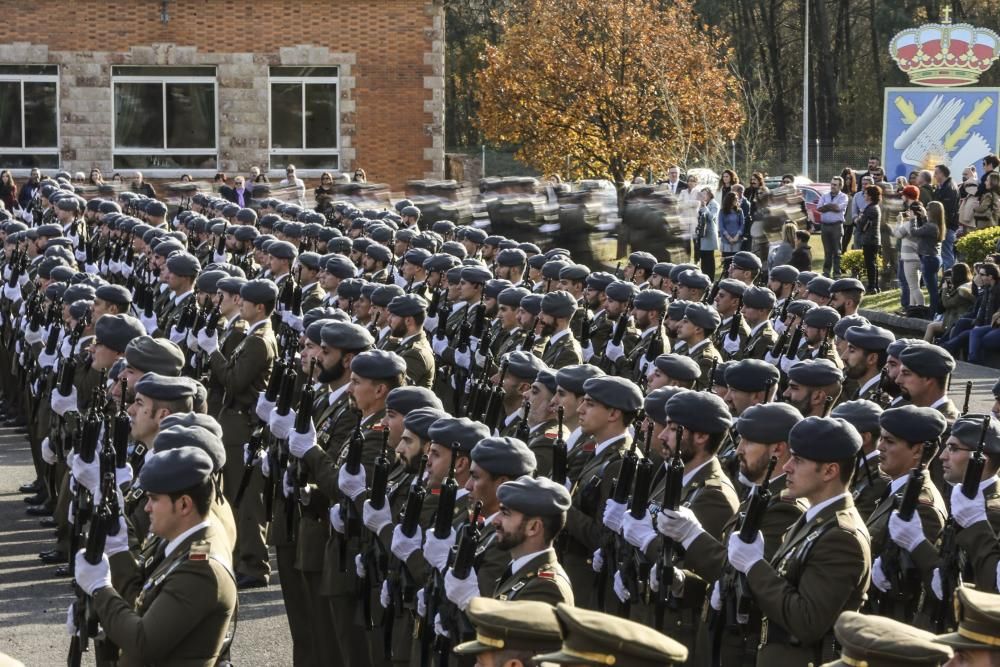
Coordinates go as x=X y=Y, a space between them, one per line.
x=600 y=330
x=758 y=344
x=172 y=315
x=312 y=297
x=419 y=358
x=542 y=444
x=630 y=366
x=723 y=332
x=822 y=568
x=564 y=351
x=930 y=508
x=706 y=356
x=244 y=374
x=866 y=490
x=183 y=612
x=542 y=579
x=229 y=339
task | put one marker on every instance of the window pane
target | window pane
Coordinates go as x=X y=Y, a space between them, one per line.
x=321 y=116
x=306 y=161
x=40 y=115
x=190 y=115
x=139 y=115
x=10 y=114
x=129 y=70
x=286 y=115
x=29 y=160
x=166 y=162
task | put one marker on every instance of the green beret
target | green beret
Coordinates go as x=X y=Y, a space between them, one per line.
x=507 y=457
x=815 y=373
x=534 y=496
x=928 y=360
x=175 y=470
x=614 y=392
x=768 y=423
x=699 y=411
x=154 y=355
x=913 y=424
x=751 y=375
x=863 y=414
x=678 y=367
x=824 y=439
x=461 y=430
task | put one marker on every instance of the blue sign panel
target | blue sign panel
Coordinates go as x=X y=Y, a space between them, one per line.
x=924 y=127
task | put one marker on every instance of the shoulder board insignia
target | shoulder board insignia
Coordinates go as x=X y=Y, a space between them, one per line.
x=551 y=435
x=197 y=556
x=436 y=492
x=378 y=427
x=715 y=483
x=590 y=447
x=518 y=586
x=199 y=550
x=546 y=574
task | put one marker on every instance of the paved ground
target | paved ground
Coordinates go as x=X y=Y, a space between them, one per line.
x=33 y=604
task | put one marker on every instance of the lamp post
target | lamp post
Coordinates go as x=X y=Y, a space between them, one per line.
x=805 y=94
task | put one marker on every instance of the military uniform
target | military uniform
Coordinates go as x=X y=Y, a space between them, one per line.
x=707 y=356
x=541 y=579
x=869 y=485
x=762 y=338
x=416 y=352
x=562 y=349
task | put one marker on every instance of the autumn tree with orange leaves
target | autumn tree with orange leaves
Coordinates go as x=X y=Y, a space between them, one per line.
x=611 y=87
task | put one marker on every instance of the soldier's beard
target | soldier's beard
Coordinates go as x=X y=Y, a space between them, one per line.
x=327 y=375
x=507 y=541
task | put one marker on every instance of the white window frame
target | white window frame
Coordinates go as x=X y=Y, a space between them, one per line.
x=278 y=171
x=22 y=150
x=163 y=81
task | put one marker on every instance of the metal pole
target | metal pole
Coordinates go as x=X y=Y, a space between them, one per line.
x=733 y=142
x=805 y=95
x=817 y=159
x=483 y=164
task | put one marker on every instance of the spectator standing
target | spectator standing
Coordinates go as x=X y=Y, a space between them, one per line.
x=851 y=190
x=240 y=195
x=867 y=234
x=782 y=253
x=925 y=183
x=27 y=192
x=968 y=203
x=947 y=194
x=802 y=255
x=708 y=223
x=987 y=212
x=96 y=177
x=291 y=179
x=990 y=164
x=731 y=221
x=909 y=259
x=8 y=190
x=832 y=207
x=727 y=180
x=323 y=194
x=139 y=186
x=930 y=232
x=858 y=201
x=674 y=184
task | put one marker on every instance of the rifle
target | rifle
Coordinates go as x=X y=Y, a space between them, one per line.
x=256 y=445
x=495 y=402
x=278 y=454
x=632 y=563
x=655 y=348
x=950 y=556
x=352 y=463
x=965 y=404
x=463 y=559
x=303 y=420
x=613 y=546
x=779 y=345
x=588 y=322
x=617 y=334
x=672 y=488
x=734 y=591
x=529 y=337
x=523 y=428
x=559 y=453
x=892 y=557
x=737 y=322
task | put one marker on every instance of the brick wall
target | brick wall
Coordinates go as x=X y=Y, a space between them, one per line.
x=390 y=54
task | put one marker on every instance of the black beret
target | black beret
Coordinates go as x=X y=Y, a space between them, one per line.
x=166 y=247
x=247 y=216
x=678 y=269
x=733 y=286
x=928 y=360
x=55 y=290
x=678 y=367
x=378 y=365
x=175 y=470
x=537 y=261
x=281 y=250
x=804 y=277
x=820 y=285
x=475 y=274
x=455 y=249
x=824 y=439
x=870 y=337
x=547 y=378
x=178 y=435
x=461 y=430
x=746 y=260
x=759 y=297
x=534 y=496
x=655 y=403
x=164 y=387
x=405 y=399
x=208 y=281
x=410 y=211
x=70 y=204
x=822 y=317
x=848 y=321
x=900 y=344
x=350 y=288
x=815 y=373
x=259 y=290
x=784 y=273
x=245 y=233
x=751 y=375
x=474 y=235
x=572 y=378
x=506 y=457
x=768 y=423
x=49 y=230
x=231 y=284
x=511 y=257
x=419 y=421
x=621 y=291
x=78 y=292
x=663 y=269
x=408 y=305
x=675 y=311
x=914 y=424
x=799 y=307
x=968 y=428
x=80 y=309
x=47 y=264
x=157 y=209
x=443 y=227
x=512 y=296
x=532 y=303
x=341 y=266
x=347 y=336
x=702 y=315
x=114 y=294
x=523 y=365
x=642 y=259
x=599 y=280
x=650 y=299
x=719 y=374
x=416 y=256
x=559 y=304
x=863 y=414
x=576 y=272
x=495 y=286
x=378 y=252
x=154 y=355
x=310 y=260
x=844 y=284
x=117 y=331
x=699 y=411
x=614 y=392
x=693 y=279
x=382 y=295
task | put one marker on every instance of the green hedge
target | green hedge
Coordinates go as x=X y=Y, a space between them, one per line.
x=852 y=263
x=975 y=246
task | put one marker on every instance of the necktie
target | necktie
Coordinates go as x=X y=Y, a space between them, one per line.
x=507 y=573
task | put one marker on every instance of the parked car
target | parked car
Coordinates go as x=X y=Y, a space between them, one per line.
x=811 y=193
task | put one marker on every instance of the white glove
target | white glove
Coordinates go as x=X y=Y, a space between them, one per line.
x=265 y=465
x=376 y=520
x=384 y=598
x=48 y=455
x=149 y=323
x=588 y=352
x=247 y=455
x=90 y=268
x=480 y=359
x=280 y=425
x=176 y=336
x=287 y=488
x=33 y=337
x=126 y=270
x=907 y=534
x=87 y=474
x=967 y=511
x=62 y=404
x=936 y=584
x=359 y=566
x=439 y=344
x=619 y=587
x=597 y=561
x=191 y=341
x=421 y=603
x=639 y=532
x=716 y=599
x=681 y=525
x=402 y=546
x=116 y=544
x=64 y=347
x=123 y=475
x=70 y=623
x=430 y=324
x=114 y=266
x=461 y=591
x=436 y=551
x=787 y=363
x=879 y=579
x=264 y=408
x=438 y=628
x=644 y=364
x=463 y=359
x=299 y=444
x=92 y=578
x=294 y=321
x=46 y=360
x=614 y=352
x=335 y=520
x=352 y=485
x=208 y=343
x=614 y=513
x=731 y=346
x=81 y=256
x=744 y=556
x=12 y=293
x=778 y=324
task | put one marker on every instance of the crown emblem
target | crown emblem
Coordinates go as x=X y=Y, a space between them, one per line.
x=945 y=54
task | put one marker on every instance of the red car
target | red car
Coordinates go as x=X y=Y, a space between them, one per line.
x=811 y=192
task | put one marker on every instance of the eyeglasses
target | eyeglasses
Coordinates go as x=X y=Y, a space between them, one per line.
x=955 y=448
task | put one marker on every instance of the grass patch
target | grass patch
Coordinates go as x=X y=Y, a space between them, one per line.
x=886 y=302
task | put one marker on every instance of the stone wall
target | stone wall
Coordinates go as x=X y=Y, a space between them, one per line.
x=390 y=56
